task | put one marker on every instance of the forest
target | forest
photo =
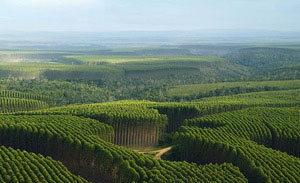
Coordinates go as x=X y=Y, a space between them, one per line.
x=181 y=114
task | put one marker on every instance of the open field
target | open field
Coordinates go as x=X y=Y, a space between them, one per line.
x=94 y=59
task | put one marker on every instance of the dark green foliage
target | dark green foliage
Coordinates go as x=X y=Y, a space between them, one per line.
x=269 y=63
x=134 y=123
x=197 y=91
x=230 y=138
x=13 y=101
x=14 y=104
x=58 y=136
x=265 y=58
x=18 y=166
x=246 y=138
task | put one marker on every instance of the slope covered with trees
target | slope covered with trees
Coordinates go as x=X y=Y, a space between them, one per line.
x=21 y=166
x=13 y=101
x=197 y=91
x=78 y=143
x=247 y=139
x=245 y=130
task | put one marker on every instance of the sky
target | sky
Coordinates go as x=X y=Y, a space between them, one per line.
x=149 y=15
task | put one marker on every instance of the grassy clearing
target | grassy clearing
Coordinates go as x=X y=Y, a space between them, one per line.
x=22 y=52
x=34 y=67
x=94 y=59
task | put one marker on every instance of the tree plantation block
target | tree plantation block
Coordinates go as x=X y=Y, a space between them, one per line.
x=21 y=166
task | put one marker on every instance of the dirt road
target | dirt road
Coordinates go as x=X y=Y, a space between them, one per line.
x=162 y=152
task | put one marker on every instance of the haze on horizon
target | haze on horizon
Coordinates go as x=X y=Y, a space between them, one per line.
x=151 y=15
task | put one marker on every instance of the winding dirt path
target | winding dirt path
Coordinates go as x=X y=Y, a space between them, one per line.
x=162 y=152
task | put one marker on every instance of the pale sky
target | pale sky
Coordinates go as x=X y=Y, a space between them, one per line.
x=153 y=15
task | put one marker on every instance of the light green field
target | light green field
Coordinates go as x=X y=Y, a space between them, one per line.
x=35 y=67
x=90 y=59
x=187 y=90
x=22 y=52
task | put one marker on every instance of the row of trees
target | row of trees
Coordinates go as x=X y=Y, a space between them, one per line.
x=176 y=113
x=141 y=123
x=23 y=167
x=23 y=95
x=234 y=137
x=72 y=141
x=273 y=127
x=224 y=92
x=16 y=104
x=134 y=124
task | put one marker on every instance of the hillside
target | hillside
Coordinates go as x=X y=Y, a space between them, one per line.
x=125 y=117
